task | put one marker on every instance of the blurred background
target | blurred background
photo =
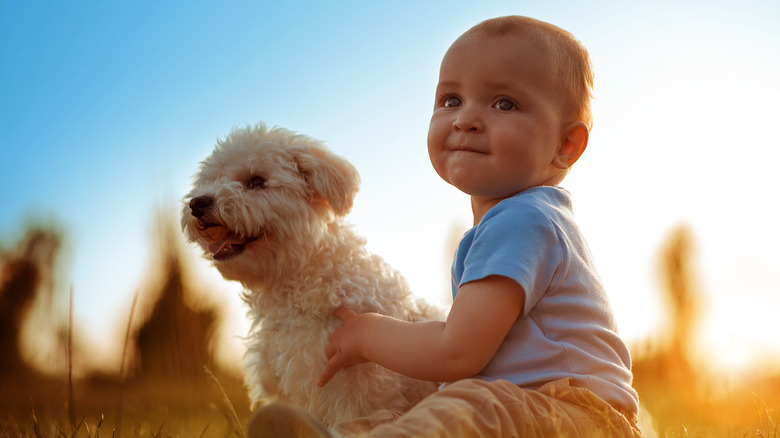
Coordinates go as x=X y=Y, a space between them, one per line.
x=106 y=110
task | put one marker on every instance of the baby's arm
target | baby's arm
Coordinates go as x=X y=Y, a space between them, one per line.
x=481 y=316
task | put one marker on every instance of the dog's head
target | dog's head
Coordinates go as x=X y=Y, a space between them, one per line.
x=265 y=196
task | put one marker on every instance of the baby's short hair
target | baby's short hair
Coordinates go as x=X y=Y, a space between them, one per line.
x=572 y=69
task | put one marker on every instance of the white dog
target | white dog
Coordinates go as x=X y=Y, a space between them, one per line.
x=267 y=207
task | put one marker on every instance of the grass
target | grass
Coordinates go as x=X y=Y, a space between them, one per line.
x=768 y=420
x=680 y=400
x=149 y=410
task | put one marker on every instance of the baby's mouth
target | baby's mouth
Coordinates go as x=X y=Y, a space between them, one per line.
x=225 y=244
x=474 y=150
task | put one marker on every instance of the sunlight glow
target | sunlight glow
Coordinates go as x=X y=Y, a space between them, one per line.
x=730 y=356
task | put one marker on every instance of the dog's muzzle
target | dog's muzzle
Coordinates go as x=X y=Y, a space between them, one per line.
x=223 y=243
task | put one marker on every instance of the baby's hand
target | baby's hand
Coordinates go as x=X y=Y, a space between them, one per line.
x=344 y=348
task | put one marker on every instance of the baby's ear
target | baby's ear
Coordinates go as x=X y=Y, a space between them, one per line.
x=332 y=178
x=573 y=143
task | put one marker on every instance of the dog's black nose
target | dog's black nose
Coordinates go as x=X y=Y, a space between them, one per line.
x=200 y=204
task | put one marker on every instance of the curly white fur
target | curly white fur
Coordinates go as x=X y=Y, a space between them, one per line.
x=267 y=207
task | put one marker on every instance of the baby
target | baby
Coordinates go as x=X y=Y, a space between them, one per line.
x=530 y=346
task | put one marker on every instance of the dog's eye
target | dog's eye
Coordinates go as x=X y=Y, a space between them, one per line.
x=256 y=182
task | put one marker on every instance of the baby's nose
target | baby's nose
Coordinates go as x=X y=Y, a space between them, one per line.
x=468 y=121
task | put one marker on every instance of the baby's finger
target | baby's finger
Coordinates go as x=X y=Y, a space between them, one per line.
x=343 y=313
x=330 y=350
x=334 y=365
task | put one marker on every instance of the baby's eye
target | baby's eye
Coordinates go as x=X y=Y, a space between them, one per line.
x=504 y=105
x=451 y=101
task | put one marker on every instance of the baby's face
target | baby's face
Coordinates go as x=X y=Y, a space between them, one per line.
x=496 y=124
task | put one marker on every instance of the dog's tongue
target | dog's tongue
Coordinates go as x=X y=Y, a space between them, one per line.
x=230 y=239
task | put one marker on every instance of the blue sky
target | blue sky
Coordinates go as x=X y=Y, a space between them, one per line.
x=106 y=109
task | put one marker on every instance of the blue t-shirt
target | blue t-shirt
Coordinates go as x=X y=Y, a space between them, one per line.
x=567 y=328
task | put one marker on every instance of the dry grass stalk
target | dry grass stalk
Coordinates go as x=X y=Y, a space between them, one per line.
x=227 y=402
x=69 y=364
x=118 y=415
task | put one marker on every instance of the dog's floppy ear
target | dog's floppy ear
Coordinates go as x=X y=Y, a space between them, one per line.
x=332 y=178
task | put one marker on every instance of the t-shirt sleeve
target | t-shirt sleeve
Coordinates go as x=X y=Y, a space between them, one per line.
x=520 y=243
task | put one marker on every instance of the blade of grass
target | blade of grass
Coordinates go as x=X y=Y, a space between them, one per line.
x=69 y=364
x=769 y=429
x=118 y=423
x=78 y=426
x=97 y=428
x=205 y=429
x=226 y=400
x=36 y=428
x=159 y=431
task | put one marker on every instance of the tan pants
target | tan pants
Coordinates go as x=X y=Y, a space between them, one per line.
x=476 y=408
